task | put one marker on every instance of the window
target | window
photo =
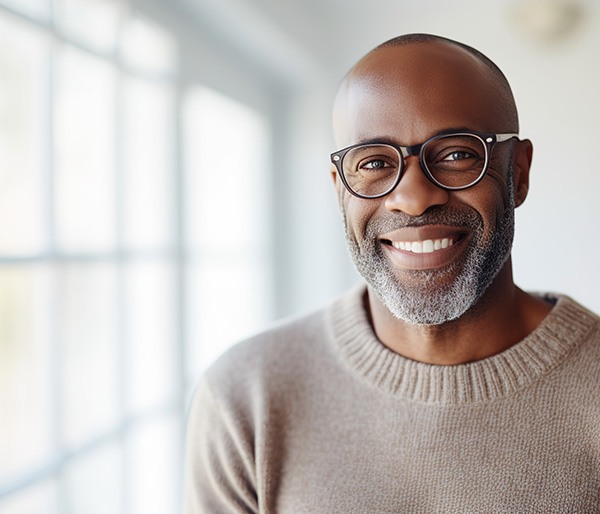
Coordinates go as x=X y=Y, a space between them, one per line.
x=227 y=235
x=126 y=255
x=24 y=86
x=85 y=152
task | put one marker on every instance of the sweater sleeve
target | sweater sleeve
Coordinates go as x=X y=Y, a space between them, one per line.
x=219 y=461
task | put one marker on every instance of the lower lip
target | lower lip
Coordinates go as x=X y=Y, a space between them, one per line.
x=425 y=261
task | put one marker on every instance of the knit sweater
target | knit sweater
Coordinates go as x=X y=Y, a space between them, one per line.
x=317 y=416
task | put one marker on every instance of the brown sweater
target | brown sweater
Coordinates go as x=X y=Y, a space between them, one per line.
x=317 y=416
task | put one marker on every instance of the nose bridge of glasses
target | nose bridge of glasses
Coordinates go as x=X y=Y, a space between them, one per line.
x=412 y=158
x=405 y=153
x=409 y=151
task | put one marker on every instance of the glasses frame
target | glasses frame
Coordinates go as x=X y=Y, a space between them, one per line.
x=488 y=141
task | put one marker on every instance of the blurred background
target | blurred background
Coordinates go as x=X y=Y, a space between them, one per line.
x=165 y=191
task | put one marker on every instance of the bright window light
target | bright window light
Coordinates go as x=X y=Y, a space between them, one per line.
x=145 y=46
x=37 y=499
x=39 y=9
x=85 y=152
x=25 y=358
x=93 y=482
x=227 y=146
x=23 y=137
x=154 y=474
x=149 y=292
x=92 y=23
x=149 y=169
x=135 y=241
x=87 y=331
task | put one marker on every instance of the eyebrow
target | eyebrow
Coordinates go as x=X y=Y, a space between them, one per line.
x=390 y=141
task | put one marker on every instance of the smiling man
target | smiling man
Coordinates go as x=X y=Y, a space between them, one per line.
x=440 y=386
x=431 y=226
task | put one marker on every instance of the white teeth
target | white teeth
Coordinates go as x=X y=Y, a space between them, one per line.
x=427 y=246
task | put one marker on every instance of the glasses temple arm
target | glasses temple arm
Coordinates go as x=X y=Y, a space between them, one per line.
x=500 y=138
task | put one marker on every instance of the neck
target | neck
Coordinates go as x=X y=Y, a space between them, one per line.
x=501 y=318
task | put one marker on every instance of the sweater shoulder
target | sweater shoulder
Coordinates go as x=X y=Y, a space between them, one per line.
x=289 y=348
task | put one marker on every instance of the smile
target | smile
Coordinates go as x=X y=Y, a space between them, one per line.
x=426 y=246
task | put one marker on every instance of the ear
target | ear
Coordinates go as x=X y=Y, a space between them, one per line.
x=337 y=183
x=521 y=164
x=334 y=175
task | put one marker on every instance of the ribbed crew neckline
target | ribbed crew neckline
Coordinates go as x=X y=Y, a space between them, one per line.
x=564 y=329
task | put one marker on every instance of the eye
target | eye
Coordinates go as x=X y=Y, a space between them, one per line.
x=375 y=164
x=371 y=160
x=458 y=155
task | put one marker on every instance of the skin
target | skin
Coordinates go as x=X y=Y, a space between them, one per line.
x=406 y=94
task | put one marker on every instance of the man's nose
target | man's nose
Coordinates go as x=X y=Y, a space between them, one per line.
x=415 y=193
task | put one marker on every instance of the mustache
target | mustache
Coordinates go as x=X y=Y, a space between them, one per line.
x=454 y=216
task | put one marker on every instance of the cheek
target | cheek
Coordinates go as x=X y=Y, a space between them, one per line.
x=489 y=202
x=358 y=212
x=491 y=198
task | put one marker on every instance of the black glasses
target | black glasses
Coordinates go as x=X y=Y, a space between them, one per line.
x=451 y=161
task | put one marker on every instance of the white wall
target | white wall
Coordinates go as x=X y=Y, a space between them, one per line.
x=558 y=245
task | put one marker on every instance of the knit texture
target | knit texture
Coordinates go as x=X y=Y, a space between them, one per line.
x=317 y=416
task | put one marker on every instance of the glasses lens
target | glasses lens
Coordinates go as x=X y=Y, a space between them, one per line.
x=456 y=160
x=371 y=170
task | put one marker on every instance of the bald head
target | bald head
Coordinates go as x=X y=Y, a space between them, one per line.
x=408 y=39
x=419 y=83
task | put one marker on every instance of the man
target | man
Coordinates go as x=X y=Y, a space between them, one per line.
x=440 y=386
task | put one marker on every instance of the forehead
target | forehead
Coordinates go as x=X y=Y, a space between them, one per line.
x=408 y=93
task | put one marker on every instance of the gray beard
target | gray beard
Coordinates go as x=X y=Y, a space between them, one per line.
x=426 y=302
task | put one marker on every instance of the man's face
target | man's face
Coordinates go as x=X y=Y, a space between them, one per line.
x=428 y=254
